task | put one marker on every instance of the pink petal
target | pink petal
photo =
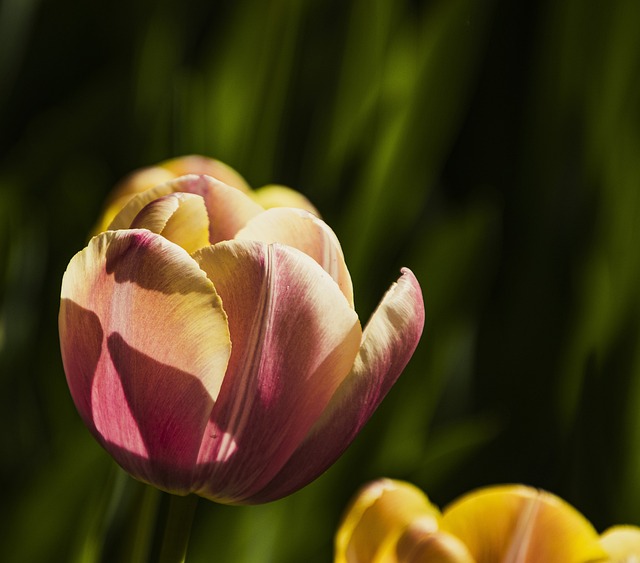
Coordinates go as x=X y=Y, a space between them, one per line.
x=304 y=231
x=145 y=345
x=294 y=339
x=228 y=208
x=388 y=342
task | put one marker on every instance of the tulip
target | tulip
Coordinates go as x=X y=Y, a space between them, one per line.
x=211 y=345
x=146 y=178
x=394 y=522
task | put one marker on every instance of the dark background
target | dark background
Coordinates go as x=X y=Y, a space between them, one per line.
x=493 y=147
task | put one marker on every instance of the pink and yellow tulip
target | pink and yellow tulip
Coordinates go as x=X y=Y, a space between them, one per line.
x=212 y=347
x=394 y=522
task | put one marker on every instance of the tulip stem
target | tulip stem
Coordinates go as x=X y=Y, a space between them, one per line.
x=178 y=528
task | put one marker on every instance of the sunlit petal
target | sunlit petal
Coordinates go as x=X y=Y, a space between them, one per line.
x=302 y=230
x=622 y=544
x=421 y=544
x=281 y=196
x=294 y=338
x=196 y=164
x=145 y=345
x=518 y=524
x=388 y=342
x=228 y=208
x=379 y=515
x=181 y=218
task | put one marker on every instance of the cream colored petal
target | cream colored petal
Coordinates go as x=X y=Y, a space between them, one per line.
x=518 y=524
x=622 y=544
x=275 y=195
x=302 y=230
x=377 y=518
x=135 y=183
x=179 y=217
x=196 y=164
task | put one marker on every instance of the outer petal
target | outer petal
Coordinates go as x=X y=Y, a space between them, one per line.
x=302 y=230
x=388 y=343
x=275 y=195
x=196 y=164
x=294 y=338
x=419 y=544
x=622 y=544
x=145 y=345
x=181 y=218
x=228 y=208
x=518 y=524
x=378 y=516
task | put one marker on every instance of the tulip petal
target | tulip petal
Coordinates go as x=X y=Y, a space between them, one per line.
x=196 y=164
x=304 y=231
x=275 y=195
x=145 y=345
x=181 y=218
x=294 y=339
x=388 y=342
x=518 y=524
x=622 y=544
x=228 y=208
x=379 y=515
x=419 y=543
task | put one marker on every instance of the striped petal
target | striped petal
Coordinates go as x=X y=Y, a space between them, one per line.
x=181 y=218
x=388 y=343
x=380 y=514
x=518 y=524
x=294 y=339
x=228 y=208
x=275 y=195
x=304 y=231
x=145 y=345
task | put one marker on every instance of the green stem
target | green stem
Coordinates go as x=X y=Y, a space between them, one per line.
x=178 y=529
x=144 y=524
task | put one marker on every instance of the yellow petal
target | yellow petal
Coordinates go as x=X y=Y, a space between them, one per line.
x=181 y=218
x=281 y=196
x=228 y=208
x=149 y=177
x=420 y=544
x=622 y=544
x=135 y=183
x=518 y=524
x=377 y=517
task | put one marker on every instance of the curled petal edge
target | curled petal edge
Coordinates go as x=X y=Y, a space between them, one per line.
x=388 y=342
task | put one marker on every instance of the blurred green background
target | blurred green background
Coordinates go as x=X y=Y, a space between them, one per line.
x=491 y=146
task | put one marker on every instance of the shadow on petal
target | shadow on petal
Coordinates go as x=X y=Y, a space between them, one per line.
x=170 y=409
x=140 y=258
x=81 y=336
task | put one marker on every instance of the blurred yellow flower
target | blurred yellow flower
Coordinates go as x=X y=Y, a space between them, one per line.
x=394 y=522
